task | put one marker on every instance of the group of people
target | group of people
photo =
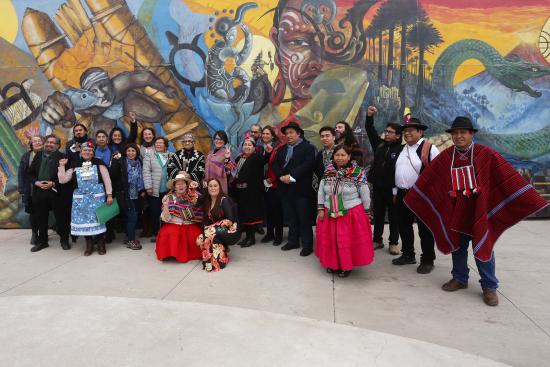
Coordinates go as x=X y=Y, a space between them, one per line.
x=195 y=205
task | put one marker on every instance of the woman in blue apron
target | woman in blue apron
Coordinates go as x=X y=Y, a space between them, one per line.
x=92 y=188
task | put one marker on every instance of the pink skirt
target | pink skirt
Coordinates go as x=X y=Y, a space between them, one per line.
x=179 y=241
x=346 y=241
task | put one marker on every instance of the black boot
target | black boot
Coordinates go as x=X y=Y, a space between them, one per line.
x=101 y=246
x=89 y=246
x=34 y=238
x=249 y=239
x=268 y=237
x=278 y=237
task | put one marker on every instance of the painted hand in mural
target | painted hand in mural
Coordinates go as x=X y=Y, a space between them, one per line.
x=132 y=76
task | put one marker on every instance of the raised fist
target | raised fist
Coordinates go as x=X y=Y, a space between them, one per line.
x=58 y=110
x=371 y=110
x=63 y=162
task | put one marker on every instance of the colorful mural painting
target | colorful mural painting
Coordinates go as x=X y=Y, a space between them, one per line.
x=207 y=65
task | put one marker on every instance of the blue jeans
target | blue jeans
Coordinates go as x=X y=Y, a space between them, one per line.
x=132 y=218
x=460 y=266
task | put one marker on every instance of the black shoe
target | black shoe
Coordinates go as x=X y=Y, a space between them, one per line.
x=331 y=271
x=249 y=242
x=425 y=268
x=74 y=238
x=244 y=242
x=260 y=230
x=34 y=238
x=277 y=241
x=289 y=246
x=404 y=260
x=267 y=238
x=65 y=245
x=39 y=247
x=306 y=252
x=344 y=273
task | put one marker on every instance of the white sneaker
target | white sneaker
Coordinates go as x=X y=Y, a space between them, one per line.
x=394 y=249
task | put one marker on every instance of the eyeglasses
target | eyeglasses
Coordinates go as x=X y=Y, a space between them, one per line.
x=188 y=141
x=389 y=132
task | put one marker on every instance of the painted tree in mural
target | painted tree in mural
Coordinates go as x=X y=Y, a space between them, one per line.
x=423 y=37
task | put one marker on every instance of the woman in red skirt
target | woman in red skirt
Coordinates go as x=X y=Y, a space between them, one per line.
x=180 y=217
x=344 y=237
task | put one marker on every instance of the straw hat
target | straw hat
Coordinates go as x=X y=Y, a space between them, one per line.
x=181 y=176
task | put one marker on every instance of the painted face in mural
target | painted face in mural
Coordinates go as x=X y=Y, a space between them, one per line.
x=105 y=92
x=298 y=50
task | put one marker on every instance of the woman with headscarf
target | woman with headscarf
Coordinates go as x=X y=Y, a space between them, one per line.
x=92 y=188
x=181 y=217
x=344 y=237
x=218 y=161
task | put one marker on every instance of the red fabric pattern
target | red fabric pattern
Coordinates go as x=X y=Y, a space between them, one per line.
x=179 y=241
x=505 y=198
x=346 y=241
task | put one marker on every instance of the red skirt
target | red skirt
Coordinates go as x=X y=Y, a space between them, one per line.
x=344 y=242
x=179 y=241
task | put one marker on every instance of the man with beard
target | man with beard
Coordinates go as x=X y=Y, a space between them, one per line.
x=344 y=135
x=46 y=196
x=72 y=148
x=187 y=159
x=382 y=177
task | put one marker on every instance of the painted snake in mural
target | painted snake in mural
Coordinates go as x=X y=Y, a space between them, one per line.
x=218 y=79
x=509 y=71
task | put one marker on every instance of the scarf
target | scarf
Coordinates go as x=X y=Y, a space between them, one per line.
x=81 y=140
x=135 y=178
x=336 y=177
x=290 y=151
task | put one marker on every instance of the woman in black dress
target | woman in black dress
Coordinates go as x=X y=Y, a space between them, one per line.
x=249 y=190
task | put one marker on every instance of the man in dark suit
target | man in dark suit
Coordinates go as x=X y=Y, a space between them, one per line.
x=293 y=165
x=45 y=194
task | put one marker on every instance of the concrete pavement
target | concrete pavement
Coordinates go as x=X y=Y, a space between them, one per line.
x=395 y=313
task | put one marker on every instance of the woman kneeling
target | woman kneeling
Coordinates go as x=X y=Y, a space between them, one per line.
x=344 y=237
x=179 y=230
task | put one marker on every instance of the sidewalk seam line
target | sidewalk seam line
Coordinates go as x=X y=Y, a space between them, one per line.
x=39 y=275
x=333 y=299
x=181 y=280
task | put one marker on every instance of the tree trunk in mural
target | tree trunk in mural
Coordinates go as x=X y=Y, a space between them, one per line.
x=389 y=74
x=380 y=58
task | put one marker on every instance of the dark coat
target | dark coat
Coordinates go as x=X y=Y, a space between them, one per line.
x=191 y=162
x=249 y=189
x=382 y=171
x=119 y=179
x=52 y=175
x=24 y=184
x=300 y=167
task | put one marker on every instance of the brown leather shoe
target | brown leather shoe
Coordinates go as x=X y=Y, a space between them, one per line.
x=89 y=246
x=453 y=285
x=490 y=297
x=101 y=246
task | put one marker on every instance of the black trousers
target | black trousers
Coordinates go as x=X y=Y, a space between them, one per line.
x=45 y=201
x=382 y=199
x=298 y=209
x=155 y=209
x=274 y=213
x=406 y=219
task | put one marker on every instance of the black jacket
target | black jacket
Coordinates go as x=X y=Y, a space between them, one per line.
x=300 y=167
x=119 y=179
x=382 y=171
x=24 y=185
x=64 y=190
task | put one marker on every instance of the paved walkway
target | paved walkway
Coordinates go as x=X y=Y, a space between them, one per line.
x=283 y=309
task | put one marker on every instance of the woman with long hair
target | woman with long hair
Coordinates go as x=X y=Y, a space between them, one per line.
x=273 y=201
x=92 y=188
x=128 y=187
x=344 y=237
x=220 y=227
x=344 y=135
x=218 y=161
x=181 y=217
x=147 y=140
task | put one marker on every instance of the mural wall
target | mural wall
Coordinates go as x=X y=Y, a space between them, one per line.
x=206 y=65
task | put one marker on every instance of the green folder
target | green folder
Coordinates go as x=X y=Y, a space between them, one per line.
x=107 y=212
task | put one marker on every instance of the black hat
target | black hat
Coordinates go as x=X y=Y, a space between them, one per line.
x=414 y=122
x=293 y=123
x=462 y=122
